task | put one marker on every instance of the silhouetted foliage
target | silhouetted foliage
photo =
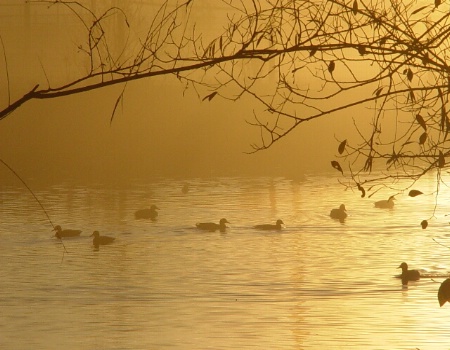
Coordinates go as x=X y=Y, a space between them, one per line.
x=310 y=60
x=444 y=292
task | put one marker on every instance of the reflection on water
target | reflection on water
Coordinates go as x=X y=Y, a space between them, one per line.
x=316 y=284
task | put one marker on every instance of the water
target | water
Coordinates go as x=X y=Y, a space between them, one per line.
x=164 y=285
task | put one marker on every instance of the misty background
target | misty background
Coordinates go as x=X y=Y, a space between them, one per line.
x=160 y=129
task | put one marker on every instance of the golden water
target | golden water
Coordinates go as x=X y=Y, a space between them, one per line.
x=319 y=284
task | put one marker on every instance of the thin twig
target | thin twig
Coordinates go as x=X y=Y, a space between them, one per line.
x=7 y=71
x=36 y=198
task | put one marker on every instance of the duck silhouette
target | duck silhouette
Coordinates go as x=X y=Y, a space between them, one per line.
x=211 y=226
x=444 y=292
x=408 y=275
x=60 y=233
x=270 y=227
x=147 y=213
x=340 y=213
x=101 y=240
x=385 y=203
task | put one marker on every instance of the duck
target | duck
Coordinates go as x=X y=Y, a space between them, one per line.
x=340 y=213
x=60 y=233
x=270 y=227
x=147 y=213
x=101 y=240
x=408 y=275
x=211 y=226
x=444 y=292
x=385 y=203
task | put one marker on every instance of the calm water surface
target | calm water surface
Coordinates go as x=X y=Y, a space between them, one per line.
x=164 y=285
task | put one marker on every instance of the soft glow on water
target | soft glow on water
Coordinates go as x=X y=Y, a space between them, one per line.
x=317 y=284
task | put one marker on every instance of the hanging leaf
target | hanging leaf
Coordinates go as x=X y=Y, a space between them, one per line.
x=424 y=224
x=210 y=96
x=368 y=164
x=418 y=10
x=331 y=67
x=426 y=59
x=377 y=92
x=414 y=193
x=437 y=3
x=337 y=166
x=393 y=158
x=363 y=191
x=355 y=7
x=409 y=74
x=119 y=99
x=441 y=160
x=361 y=50
x=313 y=51
x=447 y=127
x=341 y=147
x=423 y=138
x=443 y=117
x=444 y=292
x=421 y=121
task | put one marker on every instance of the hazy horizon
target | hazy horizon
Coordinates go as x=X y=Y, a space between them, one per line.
x=159 y=129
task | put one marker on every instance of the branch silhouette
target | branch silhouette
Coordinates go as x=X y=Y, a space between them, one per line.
x=301 y=61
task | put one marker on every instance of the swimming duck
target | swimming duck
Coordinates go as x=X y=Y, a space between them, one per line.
x=340 y=213
x=444 y=292
x=408 y=275
x=385 y=203
x=101 y=240
x=270 y=227
x=147 y=213
x=60 y=233
x=211 y=226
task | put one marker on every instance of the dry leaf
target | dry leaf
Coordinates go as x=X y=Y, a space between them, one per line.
x=210 y=96
x=363 y=191
x=341 y=147
x=421 y=121
x=331 y=67
x=337 y=166
x=355 y=7
x=441 y=160
x=414 y=193
x=423 y=138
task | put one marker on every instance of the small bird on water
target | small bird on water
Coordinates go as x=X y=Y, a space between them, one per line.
x=101 y=240
x=60 y=233
x=408 y=275
x=340 y=213
x=211 y=226
x=270 y=227
x=147 y=213
x=385 y=203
